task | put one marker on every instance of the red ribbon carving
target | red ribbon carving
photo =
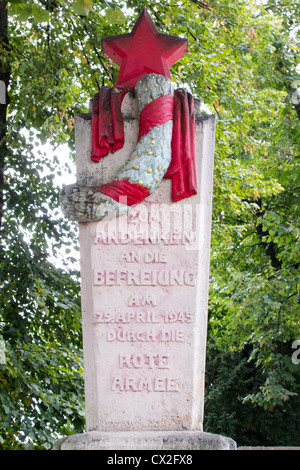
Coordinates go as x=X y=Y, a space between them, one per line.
x=156 y=113
x=108 y=136
x=182 y=168
x=124 y=192
x=107 y=122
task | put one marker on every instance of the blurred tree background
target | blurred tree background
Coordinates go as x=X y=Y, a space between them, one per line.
x=243 y=62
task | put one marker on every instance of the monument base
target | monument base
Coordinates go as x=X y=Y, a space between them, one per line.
x=145 y=440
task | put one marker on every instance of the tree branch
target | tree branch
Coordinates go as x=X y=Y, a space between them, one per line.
x=270 y=247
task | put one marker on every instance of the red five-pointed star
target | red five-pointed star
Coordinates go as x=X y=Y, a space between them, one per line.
x=143 y=51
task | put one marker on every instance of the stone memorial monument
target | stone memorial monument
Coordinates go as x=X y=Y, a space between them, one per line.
x=143 y=196
x=2 y=92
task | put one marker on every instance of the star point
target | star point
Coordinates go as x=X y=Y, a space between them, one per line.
x=143 y=51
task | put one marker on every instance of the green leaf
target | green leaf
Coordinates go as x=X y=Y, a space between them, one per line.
x=40 y=15
x=115 y=16
x=22 y=12
x=82 y=7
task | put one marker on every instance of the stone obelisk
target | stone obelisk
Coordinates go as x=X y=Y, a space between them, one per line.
x=144 y=265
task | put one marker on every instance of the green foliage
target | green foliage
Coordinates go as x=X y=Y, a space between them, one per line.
x=41 y=379
x=243 y=62
x=232 y=383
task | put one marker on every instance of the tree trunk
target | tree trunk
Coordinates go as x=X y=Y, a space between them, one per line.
x=4 y=79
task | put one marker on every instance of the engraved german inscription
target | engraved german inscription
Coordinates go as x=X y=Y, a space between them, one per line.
x=149 y=384
x=148 y=361
x=145 y=277
x=142 y=335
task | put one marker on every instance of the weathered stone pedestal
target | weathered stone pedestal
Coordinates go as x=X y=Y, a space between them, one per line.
x=144 y=307
x=146 y=440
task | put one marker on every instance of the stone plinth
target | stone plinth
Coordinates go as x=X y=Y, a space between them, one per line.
x=144 y=282
x=146 y=440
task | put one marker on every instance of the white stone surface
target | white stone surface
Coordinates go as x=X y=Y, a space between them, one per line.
x=2 y=92
x=146 y=440
x=144 y=299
